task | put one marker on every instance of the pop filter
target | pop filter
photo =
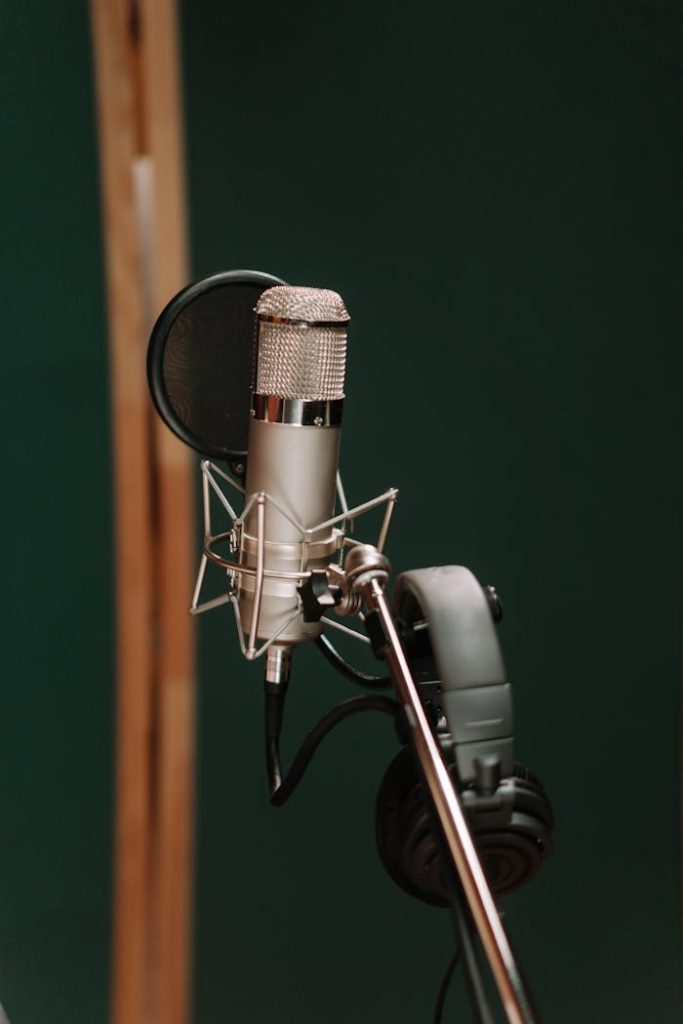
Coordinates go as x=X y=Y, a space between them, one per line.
x=200 y=361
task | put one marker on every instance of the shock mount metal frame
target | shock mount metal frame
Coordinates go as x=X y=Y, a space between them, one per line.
x=361 y=576
x=339 y=524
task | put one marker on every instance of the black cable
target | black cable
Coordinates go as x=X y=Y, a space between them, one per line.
x=282 y=788
x=348 y=670
x=443 y=988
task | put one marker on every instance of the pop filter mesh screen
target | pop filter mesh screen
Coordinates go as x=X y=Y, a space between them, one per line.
x=201 y=363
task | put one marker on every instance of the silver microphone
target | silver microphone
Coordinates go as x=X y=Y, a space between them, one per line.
x=292 y=465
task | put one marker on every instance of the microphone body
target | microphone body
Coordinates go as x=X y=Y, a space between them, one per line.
x=297 y=466
x=294 y=438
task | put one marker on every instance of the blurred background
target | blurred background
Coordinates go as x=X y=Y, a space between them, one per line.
x=495 y=191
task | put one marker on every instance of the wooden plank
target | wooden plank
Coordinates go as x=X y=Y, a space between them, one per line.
x=140 y=123
x=177 y=556
x=115 y=81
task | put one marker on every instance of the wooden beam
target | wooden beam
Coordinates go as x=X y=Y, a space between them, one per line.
x=177 y=555
x=115 y=82
x=140 y=124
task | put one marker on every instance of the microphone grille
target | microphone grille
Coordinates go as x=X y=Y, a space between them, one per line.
x=301 y=343
x=311 y=305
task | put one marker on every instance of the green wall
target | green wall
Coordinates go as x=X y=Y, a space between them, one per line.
x=56 y=692
x=492 y=188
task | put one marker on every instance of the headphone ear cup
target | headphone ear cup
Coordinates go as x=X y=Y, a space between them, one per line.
x=512 y=853
x=408 y=846
x=411 y=850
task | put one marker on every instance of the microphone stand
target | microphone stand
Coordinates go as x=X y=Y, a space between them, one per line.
x=365 y=573
x=361 y=583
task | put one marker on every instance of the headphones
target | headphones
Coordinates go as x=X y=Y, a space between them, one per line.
x=447 y=622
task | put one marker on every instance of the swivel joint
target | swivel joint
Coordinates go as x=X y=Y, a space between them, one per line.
x=365 y=563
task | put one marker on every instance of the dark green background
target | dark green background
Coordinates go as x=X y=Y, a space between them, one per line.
x=56 y=527
x=493 y=189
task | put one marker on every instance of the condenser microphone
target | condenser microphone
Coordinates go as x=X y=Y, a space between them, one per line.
x=290 y=485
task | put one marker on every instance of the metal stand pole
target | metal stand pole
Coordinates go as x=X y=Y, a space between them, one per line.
x=475 y=982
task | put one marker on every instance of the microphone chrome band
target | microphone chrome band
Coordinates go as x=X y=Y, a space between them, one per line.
x=298 y=412
x=322 y=324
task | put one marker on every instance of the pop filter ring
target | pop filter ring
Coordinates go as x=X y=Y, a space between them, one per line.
x=156 y=351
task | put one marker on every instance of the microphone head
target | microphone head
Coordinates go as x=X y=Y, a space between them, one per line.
x=301 y=344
